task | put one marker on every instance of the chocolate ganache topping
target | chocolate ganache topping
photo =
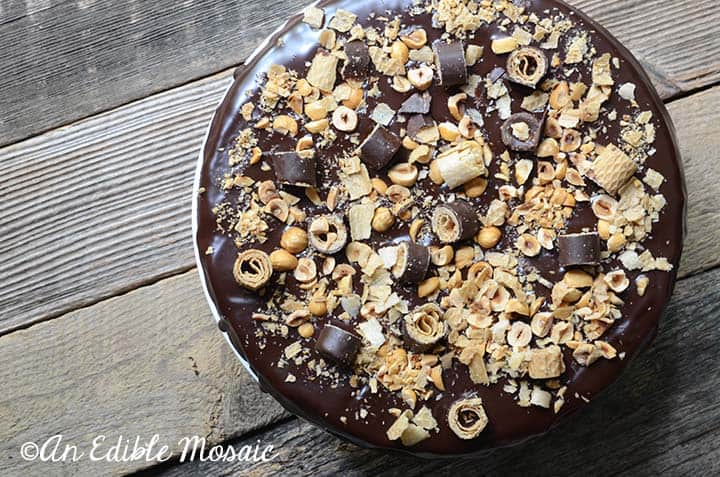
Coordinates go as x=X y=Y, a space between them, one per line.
x=439 y=226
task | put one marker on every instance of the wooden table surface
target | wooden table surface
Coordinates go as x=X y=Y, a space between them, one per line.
x=103 y=326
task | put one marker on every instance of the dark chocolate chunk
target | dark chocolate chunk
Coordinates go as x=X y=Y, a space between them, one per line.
x=534 y=129
x=412 y=262
x=496 y=74
x=527 y=66
x=579 y=249
x=358 y=59
x=423 y=328
x=417 y=104
x=454 y=222
x=294 y=169
x=337 y=345
x=378 y=149
x=417 y=123
x=450 y=61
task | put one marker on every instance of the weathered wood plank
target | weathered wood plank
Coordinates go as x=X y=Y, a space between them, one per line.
x=102 y=206
x=72 y=59
x=149 y=362
x=664 y=404
x=68 y=57
x=697 y=121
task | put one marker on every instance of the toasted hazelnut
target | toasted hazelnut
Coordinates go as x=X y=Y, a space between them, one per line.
x=523 y=168
x=255 y=155
x=379 y=185
x=306 y=330
x=560 y=95
x=467 y=127
x=355 y=99
x=547 y=148
x=383 y=219
x=475 y=187
x=541 y=324
x=434 y=174
x=442 y=256
x=306 y=270
x=283 y=261
x=604 y=207
x=520 y=334
x=267 y=191
x=284 y=124
x=262 y=123
x=318 y=126
x=316 y=110
x=603 y=228
x=457 y=110
x=416 y=39
x=296 y=103
x=545 y=172
x=401 y=84
x=573 y=177
x=345 y=119
x=516 y=306
x=428 y=287
x=448 y=131
x=545 y=238
x=318 y=306
x=343 y=270
x=464 y=256
x=503 y=45
x=570 y=141
x=616 y=242
x=553 y=128
x=294 y=240
x=328 y=265
x=397 y=193
x=409 y=144
x=421 y=154
x=421 y=77
x=415 y=228
x=304 y=143
x=528 y=245
x=617 y=281
x=404 y=174
x=399 y=52
x=507 y=192
x=278 y=208
x=500 y=299
x=488 y=237
x=642 y=282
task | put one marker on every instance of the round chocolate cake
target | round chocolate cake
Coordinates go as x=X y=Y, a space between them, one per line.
x=439 y=226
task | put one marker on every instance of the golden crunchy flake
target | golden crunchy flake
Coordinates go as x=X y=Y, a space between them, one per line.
x=546 y=363
x=322 y=72
x=314 y=16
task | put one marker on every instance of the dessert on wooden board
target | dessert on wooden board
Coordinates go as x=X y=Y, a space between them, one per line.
x=439 y=226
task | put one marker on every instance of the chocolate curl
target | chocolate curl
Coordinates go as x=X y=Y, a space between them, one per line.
x=412 y=263
x=579 y=249
x=510 y=138
x=527 y=66
x=294 y=169
x=454 y=222
x=358 y=59
x=338 y=345
x=252 y=269
x=378 y=149
x=423 y=328
x=450 y=61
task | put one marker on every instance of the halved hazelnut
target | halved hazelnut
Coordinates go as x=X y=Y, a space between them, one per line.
x=541 y=323
x=448 y=131
x=416 y=39
x=553 y=128
x=318 y=126
x=397 y=193
x=499 y=299
x=343 y=270
x=604 y=207
x=267 y=191
x=519 y=335
x=560 y=95
x=547 y=148
x=617 y=281
x=523 y=168
x=421 y=77
x=528 y=245
x=278 y=208
x=403 y=174
x=545 y=238
x=284 y=124
x=570 y=141
x=455 y=106
x=306 y=270
x=345 y=119
x=467 y=127
x=421 y=154
x=545 y=172
x=328 y=234
x=442 y=256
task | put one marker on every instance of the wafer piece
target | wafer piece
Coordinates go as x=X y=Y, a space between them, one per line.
x=612 y=169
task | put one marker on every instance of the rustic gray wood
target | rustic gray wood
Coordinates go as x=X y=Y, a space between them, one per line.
x=147 y=362
x=77 y=58
x=662 y=415
x=72 y=59
x=103 y=206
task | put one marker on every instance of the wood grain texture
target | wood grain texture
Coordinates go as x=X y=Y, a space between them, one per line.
x=149 y=362
x=74 y=58
x=662 y=415
x=697 y=122
x=103 y=206
x=677 y=41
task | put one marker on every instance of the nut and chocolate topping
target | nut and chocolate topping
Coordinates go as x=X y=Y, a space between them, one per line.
x=439 y=226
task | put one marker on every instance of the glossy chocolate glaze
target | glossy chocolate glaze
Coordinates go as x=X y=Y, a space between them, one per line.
x=324 y=404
